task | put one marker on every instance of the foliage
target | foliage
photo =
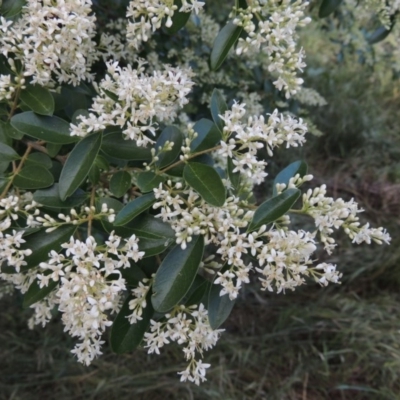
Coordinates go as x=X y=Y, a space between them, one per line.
x=117 y=187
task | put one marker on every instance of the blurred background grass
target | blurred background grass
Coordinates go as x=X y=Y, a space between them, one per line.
x=340 y=342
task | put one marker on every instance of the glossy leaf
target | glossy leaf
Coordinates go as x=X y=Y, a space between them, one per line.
x=50 y=198
x=33 y=177
x=35 y=293
x=10 y=131
x=152 y=247
x=219 y=307
x=179 y=19
x=379 y=34
x=125 y=337
x=132 y=275
x=7 y=153
x=234 y=177
x=134 y=208
x=42 y=243
x=39 y=159
x=328 y=7
x=176 y=274
x=148 y=226
x=205 y=181
x=208 y=136
x=38 y=99
x=11 y=8
x=53 y=149
x=148 y=180
x=297 y=167
x=50 y=129
x=78 y=164
x=116 y=146
x=225 y=40
x=218 y=107
x=120 y=183
x=273 y=208
x=171 y=134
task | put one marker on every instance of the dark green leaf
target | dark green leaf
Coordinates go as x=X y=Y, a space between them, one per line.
x=219 y=307
x=120 y=183
x=7 y=153
x=179 y=19
x=116 y=146
x=378 y=35
x=208 y=136
x=11 y=8
x=132 y=275
x=39 y=159
x=298 y=167
x=51 y=198
x=125 y=337
x=176 y=274
x=150 y=227
x=10 y=131
x=225 y=40
x=206 y=181
x=38 y=99
x=152 y=247
x=198 y=290
x=50 y=129
x=41 y=243
x=274 y=208
x=171 y=134
x=327 y=7
x=33 y=177
x=234 y=177
x=78 y=164
x=148 y=180
x=35 y=293
x=134 y=208
x=94 y=174
x=53 y=149
x=218 y=107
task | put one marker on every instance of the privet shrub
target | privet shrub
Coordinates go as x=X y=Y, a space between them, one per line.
x=132 y=137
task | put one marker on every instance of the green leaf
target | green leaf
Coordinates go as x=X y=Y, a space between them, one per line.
x=234 y=177
x=379 y=34
x=125 y=337
x=206 y=181
x=11 y=8
x=53 y=149
x=134 y=208
x=41 y=159
x=41 y=243
x=298 y=167
x=179 y=19
x=198 y=291
x=38 y=99
x=94 y=174
x=116 y=146
x=35 y=293
x=7 y=153
x=148 y=180
x=152 y=247
x=50 y=198
x=50 y=129
x=274 y=208
x=132 y=275
x=78 y=164
x=33 y=177
x=10 y=131
x=218 y=107
x=120 y=183
x=208 y=136
x=150 y=227
x=219 y=307
x=176 y=274
x=171 y=134
x=224 y=41
x=328 y=7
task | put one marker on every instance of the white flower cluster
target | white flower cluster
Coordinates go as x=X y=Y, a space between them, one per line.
x=90 y=287
x=188 y=326
x=310 y=97
x=242 y=140
x=275 y=35
x=53 y=40
x=285 y=260
x=134 y=101
x=146 y=16
x=11 y=253
x=330 y=214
